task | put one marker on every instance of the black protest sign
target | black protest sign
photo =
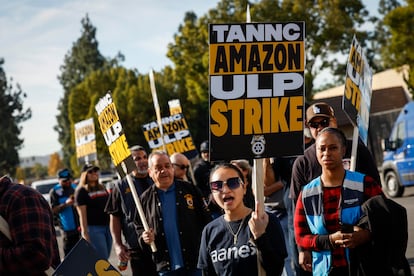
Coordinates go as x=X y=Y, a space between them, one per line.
x=176 y=136
x=256 y=89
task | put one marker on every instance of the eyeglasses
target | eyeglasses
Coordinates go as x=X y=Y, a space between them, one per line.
x=323 y=123
x=181 y=166
x=232 y=183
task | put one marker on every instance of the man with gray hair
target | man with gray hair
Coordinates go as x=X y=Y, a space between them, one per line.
x=176 y=215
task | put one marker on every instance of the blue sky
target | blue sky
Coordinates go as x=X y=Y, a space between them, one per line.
x=36 y=35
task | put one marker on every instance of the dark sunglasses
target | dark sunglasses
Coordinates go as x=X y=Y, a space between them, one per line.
x=232 y=183
x=183 y=167
x=323 y=123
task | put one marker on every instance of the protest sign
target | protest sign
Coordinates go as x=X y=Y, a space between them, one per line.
x=175 y=107
x=85 y=141
x=256 y=89
x=356 y=101
x=83 y=259
x=177 y=137
x=114 y=135
x=118 y=149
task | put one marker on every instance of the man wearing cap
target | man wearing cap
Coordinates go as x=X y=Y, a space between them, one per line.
x=122 y=209
x=306 y=167
x=202 y=170
x=62 y=199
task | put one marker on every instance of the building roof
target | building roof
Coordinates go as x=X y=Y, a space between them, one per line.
x=389 y=93
x=385 y=79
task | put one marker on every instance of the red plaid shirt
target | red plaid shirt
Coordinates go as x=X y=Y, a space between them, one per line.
x=331 y=196
x=33 y=248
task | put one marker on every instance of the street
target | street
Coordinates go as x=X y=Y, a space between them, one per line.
x=407 y=200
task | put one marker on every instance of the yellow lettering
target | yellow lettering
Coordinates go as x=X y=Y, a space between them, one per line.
x=295 y=114
x=352 y=93
x=256 y=116
x=86 y=149
x=266 y=115
x=119 y=150
x=252 y=115
x=234 y=107
x=103 y=268
x=220 y=126
x=279 y=109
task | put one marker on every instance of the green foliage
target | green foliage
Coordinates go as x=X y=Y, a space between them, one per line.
x=397 y=51
x=12 y=114
x=86 y=75
x=325 y=37
x=83 y=59
x=38 y=171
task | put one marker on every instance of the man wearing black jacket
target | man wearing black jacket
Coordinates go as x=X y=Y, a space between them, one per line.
x=176 y=214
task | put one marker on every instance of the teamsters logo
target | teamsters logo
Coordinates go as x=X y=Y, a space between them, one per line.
x=258 y=145
x=189 y=199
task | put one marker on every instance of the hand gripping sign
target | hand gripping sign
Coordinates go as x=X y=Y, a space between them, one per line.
x=118 y=148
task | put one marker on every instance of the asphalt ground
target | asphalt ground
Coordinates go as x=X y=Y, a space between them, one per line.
x=113 y=259
x=407 y=200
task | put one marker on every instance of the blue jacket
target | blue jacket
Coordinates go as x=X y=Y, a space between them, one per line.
x=350 y=212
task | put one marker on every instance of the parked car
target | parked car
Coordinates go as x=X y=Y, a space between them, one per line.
x=398 y=163
x=44 y=186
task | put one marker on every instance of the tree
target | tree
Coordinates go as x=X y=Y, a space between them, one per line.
x=12 y=114
x=55 y=164
x=397 y=52
x=38 y=171
x=83 y=59
x=325 y=37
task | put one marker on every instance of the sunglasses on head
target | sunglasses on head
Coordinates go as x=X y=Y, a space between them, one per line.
x=323 y=123
x=232 y=183
x=181 y=166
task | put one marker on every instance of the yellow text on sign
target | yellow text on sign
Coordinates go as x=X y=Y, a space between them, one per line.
x=182 y=145
x=119 y=150
x=103 y=268
x=256 y=116
x=353 y=93
x=86 y=149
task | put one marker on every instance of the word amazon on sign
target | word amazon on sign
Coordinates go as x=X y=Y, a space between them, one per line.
x=256 y=89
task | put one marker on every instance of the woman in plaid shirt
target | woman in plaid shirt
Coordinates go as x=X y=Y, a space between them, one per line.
x=328 y=210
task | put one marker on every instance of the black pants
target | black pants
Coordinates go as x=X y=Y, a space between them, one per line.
x=142 y=264
x=70 y=239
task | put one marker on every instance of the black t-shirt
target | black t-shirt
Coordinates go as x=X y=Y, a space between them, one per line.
x=95 y=204
x=219 y=255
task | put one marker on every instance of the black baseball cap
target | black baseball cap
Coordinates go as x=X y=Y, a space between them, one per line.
x=89 y=167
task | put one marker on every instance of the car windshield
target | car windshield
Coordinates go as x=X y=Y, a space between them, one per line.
x=44 y=189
